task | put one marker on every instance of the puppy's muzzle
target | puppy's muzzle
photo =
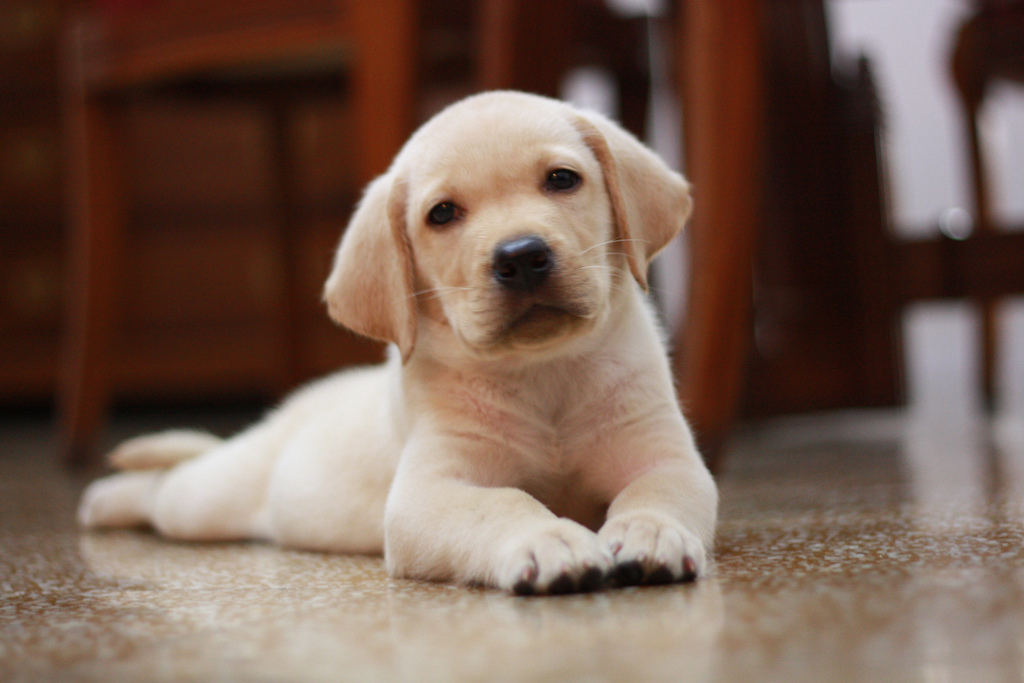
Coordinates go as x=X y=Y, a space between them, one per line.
x=523 y=264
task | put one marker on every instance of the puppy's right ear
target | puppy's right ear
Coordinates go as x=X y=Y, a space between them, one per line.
x=370 y=289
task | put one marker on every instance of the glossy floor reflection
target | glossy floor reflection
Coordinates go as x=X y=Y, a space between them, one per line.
x=868 y=547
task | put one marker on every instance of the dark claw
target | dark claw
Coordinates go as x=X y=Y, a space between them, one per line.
x=592 y=580
x=562 y=585
x=661 y=575
x=628 y=574
x=524 y=587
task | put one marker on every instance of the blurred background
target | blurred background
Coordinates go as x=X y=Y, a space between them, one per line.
x=174 y=176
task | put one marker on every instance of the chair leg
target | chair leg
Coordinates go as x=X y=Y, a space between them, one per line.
x=97 y=223
x=520 y=45
x=721 y=83
x=984 y=226
x=383 y=82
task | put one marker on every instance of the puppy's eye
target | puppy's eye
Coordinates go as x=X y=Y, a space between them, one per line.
x=562 y=179
x=445 y=212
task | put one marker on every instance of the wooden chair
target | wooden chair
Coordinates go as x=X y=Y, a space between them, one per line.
x=989 y=47
x=721 y=60
x=143 y=44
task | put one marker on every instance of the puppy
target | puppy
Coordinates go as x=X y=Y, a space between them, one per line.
x=524 y=433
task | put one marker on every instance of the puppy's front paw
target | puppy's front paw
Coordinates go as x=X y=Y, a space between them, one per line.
x=653 y=548
x=560 y=556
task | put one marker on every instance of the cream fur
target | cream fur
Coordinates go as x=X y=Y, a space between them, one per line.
x=530 y=441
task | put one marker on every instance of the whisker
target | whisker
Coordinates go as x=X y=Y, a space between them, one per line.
x=615 y=241
x=435 y=292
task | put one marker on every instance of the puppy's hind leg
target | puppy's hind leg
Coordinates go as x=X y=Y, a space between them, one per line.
x=220 y=495
x=120 y=500
x=126 y=499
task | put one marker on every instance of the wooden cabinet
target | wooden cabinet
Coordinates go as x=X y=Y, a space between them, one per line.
x=203 y=271
x=31 y=253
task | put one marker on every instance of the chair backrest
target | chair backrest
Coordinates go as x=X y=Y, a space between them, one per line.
x=132 y=42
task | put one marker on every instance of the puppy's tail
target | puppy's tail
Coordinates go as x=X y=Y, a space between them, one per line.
x=162 y=450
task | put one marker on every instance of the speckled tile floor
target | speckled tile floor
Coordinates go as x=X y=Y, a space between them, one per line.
x=869 y=547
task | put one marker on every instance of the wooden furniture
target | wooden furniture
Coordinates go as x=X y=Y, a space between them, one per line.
x=989 y=47
x=741 y=76
x=794 y=297
x=31 y=244
x=268 y=50
x=720 y=76
x=532 y=44
x=825 y=314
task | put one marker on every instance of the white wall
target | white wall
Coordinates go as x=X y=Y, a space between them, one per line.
x=909 y=43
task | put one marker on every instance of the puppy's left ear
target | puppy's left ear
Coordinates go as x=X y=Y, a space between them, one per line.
x=650 y=202
x=370 y=288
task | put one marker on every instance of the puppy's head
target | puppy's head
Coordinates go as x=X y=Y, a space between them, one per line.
x=509 y=221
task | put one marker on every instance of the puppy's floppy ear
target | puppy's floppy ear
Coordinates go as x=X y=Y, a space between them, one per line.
x=650 y=202
x=370 y=288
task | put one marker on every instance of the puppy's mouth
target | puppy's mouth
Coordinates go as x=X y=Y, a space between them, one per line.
x=539 y=322
x=494 y=319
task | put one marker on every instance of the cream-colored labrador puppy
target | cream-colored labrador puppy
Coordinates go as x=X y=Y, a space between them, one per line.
x=525 y=433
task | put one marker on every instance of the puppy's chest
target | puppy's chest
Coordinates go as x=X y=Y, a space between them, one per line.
x=549 y=431
x=550 y=440
x=563 y=470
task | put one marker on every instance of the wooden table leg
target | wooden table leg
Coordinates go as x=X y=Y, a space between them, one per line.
x=383 y=81
x=97 y=219
x=721 y=79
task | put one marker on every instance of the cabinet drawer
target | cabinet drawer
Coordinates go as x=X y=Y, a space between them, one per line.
x=195 y=274
x=31 y=281
x=28 y=42
x=30 y=167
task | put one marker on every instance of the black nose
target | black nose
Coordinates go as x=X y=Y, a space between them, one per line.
x=523 y=264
